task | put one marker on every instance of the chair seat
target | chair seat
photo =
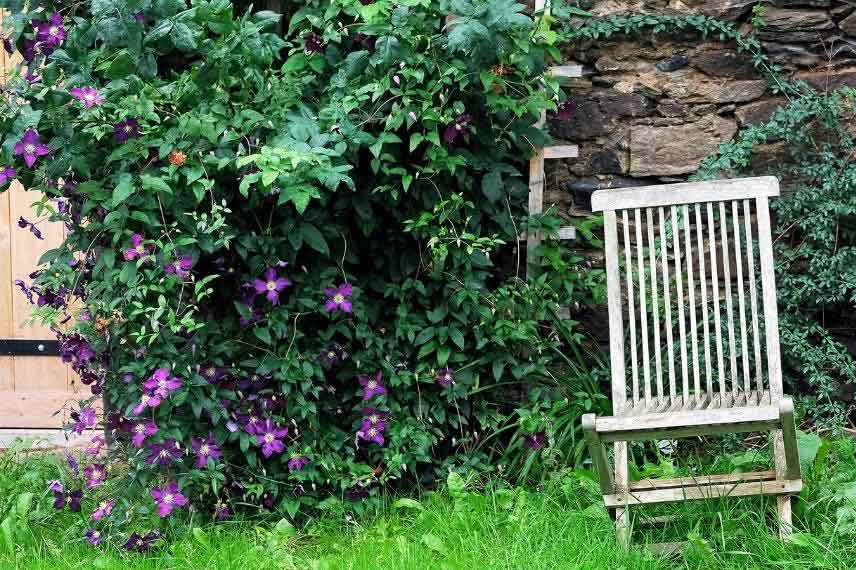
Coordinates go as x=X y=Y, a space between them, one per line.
x=684 y=422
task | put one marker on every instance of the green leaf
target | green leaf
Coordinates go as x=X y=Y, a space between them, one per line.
x=808 y=444
x=155 y=183
x=408 y=503
x=443 y=353
x=263 y=334
x=457 y=337
x=424 y=336
x=183 y=37
x=123 y=190
x=315 y=239
x=433 y=542
x=492 y=186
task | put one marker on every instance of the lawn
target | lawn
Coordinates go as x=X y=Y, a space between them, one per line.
x=466 y=525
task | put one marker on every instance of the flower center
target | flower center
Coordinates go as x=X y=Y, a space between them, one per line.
x=338 y=298
x=372 y=431
x=331 y=355
x=128 y=128
x=177 y=264
x=53 y=30
x=371 y=385
x=30 y=148
x=95 y=534
x=139 y=428
x=271 y=285
x=102 y=505
x=144 y=399
x=204 y=450
x=269 y=438
x=373 y=418
x=168 y=498
x=141 y=249
x=162 y=384
x=96 y=474
x=89 y=97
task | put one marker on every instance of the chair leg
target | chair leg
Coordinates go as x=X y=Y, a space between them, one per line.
x=622 y=515
x=598 y=455
x=787 y=457
x=783 y=503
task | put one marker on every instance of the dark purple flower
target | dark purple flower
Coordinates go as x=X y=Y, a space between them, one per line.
x=30 y=50
x=7 y=45
x=180 y=265
x=95 y=445
x=535 y=440
x=125 y=130
x=460 y=126
x=374 y=417
x=31 y=147
x=333 y=355
x=147 y=400
x=72 y=464
x=372 y=385
x=254 y=382
x=205 y=448
x=72 y=499
x=167 y=498
x=89 y=96
x=446 y=377
x=565 y=111
x=141 y=543
x=161 y=383
x=271 y=285
x=7 y=174
x=338 y=298
x=93 y=536
x=297 y=462
x=313 y=43
x=211 y=372
x=84 y=419
x=269 y=436
x=221 y=510
x=95 y=475
x=141 y=430
x=52 y=32
x=138 y=248
x=165 y=453
x=54 y=486
x=371 y=433
x=140 y=17
x=104 y=508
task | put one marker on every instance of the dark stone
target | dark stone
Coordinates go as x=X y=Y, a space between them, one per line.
x=842 y=11
x=795 y=55
x=584 y=185
x=848 y=25
x=605 y=162
x=597 y=111
x=801 y=3
x=585 y=4
x=671 y=108
x=673 y=63
x=823 y=81
x=725 y=9
x=759 y=111
x=725 y=63
x=795 y=26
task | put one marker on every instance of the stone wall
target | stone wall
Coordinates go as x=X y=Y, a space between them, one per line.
x=650 y=108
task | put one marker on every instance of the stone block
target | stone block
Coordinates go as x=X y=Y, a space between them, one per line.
x=664 y=151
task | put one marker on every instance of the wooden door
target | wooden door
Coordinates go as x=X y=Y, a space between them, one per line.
x=32 y=388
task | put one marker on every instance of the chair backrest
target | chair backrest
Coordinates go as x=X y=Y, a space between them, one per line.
x=687 y=257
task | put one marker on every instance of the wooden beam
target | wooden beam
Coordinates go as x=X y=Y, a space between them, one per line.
x=651 y=496
x=573 y=70
x=43 y=438
x=561 y=151
x=565 y=233
x=702 y=480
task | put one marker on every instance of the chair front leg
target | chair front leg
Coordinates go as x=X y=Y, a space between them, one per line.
x=598 y=455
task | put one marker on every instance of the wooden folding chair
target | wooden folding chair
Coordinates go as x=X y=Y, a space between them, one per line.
x=688 y=250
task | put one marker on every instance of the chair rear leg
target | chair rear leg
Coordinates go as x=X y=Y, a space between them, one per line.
x=622 y=515
x=786 y=452
x=783 y=502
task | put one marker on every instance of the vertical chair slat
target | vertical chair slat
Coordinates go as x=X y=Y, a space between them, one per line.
x=729 y=302
x=704 y=311
x=616 y=318
x=631 y=313
x=652 y=256
x=679 y=285
x=741 y=303
x=643 y=307
x=692 y=305
x=667 y=302
x=717 y=318
x=768 y=290
x=753 y=303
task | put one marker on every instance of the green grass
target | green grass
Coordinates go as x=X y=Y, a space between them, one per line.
x=561 y=527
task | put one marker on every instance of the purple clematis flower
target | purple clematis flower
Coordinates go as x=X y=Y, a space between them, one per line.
x=142 y=430
x=104 y=509
x=271 y=285
x=374 y=417
x=165 y=453
x=140 y=17
x=147 y=400
x=52 y=32
x=180 y=266
x=141 y=543
x=31 y=147
x=93 y=536
x=211 y=372
x=167 y=498
x=95 y=445
x=84 y=419
x=565 y=111
x=269 y=436
x=338 y=298
x=7 y=174
x=89 y=96
x=535 y=440
x=7 y=45
x=371 y=385
x=313 y=43
x=333 y=355
x=221 y=511
x=160 y=383
x=72 y=499
x=297 y=462
x=460 y=126
x=446 y=377
x=95 y=475
x=125 y=130
x=138 y=248
x=54 y=486
x=72 y=464
x=205 y=448
x=371 y=433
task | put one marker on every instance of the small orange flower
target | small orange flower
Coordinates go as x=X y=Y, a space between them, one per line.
x=177 y=158
x=499 y=70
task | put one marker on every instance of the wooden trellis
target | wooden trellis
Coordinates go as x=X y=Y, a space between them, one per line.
x=536 y=164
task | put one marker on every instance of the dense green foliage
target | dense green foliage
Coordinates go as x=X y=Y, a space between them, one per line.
x=292 y=265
